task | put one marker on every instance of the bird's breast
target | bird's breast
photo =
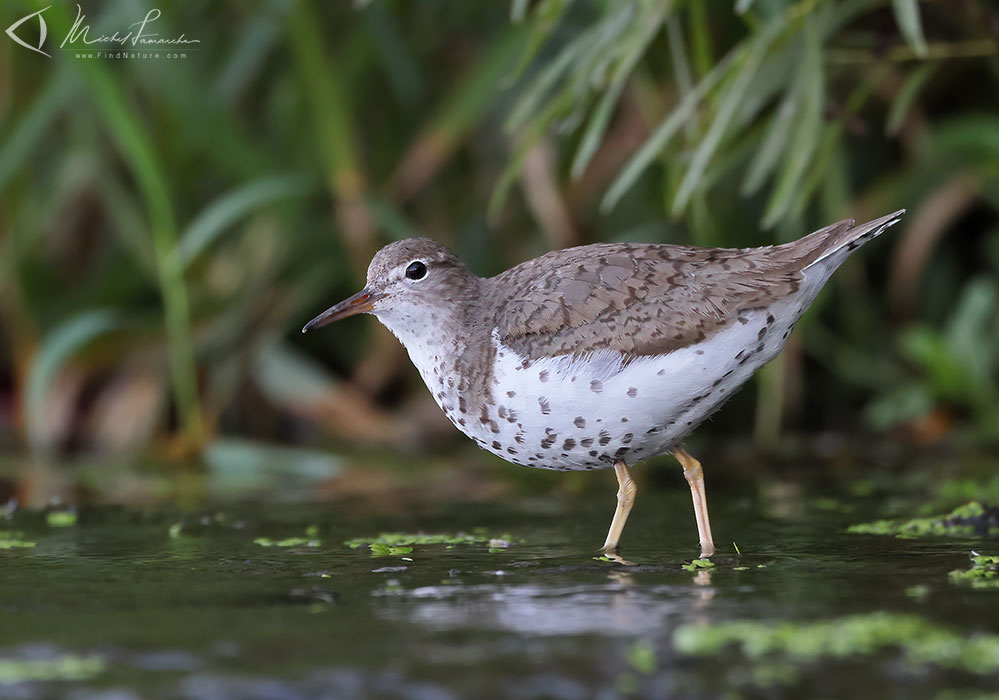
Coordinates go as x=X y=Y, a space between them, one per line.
x=571 y=412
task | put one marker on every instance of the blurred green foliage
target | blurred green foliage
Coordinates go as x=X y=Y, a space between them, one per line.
x=167 y=225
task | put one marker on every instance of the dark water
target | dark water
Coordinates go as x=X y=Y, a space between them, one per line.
x=116 y=607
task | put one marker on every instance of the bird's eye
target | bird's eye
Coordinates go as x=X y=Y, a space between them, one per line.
x=416 y=270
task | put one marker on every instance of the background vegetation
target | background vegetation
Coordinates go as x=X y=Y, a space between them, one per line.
x=167 y=226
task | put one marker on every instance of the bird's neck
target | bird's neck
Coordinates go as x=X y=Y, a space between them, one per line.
x=435 y=335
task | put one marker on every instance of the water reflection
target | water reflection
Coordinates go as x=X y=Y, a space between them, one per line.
x=616 y=607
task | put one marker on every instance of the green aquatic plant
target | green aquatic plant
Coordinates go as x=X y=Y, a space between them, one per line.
x=385 y=550
x=984 y=572
x=68 y=667
x=641 y=659
x=10 y=539
x=919 y=641
x=395 y=543
x=61 y=518
x=697 y=564
x=967 y=520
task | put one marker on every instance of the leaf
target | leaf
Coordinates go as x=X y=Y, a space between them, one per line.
x=700 y=37
x=546 y=18
x=400 y=65
x=286 y=376
x=526 y=141
x=668 y=127
x=597 y=126
x=330 y=102
x=681 y=66
x=518 y=10
x=662 y=135
x=123 y=124
x=906 y=96
x=909 y=23
x=529 y=102
x=57 y=347
x=232 y=206
x=239 y=466
x=455 y=116
x=769 y=152
x=18 y=145
x=730 y=101
x=804 y=136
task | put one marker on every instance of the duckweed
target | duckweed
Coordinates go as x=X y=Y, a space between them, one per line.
x=14 y=540
x=409 y=539
x=62 y=668
x=642 y=657
x=984 y=572
x=60 y=518
x=920 y=642
x=698 y=564
x=379 y=549
x=395 y=543
x=968 y=520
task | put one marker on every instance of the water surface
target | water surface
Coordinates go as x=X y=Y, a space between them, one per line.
x=130 y=604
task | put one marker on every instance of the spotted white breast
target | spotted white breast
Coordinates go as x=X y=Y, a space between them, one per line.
x=570 y=412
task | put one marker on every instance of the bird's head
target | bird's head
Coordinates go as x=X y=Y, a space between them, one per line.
x=411 y=285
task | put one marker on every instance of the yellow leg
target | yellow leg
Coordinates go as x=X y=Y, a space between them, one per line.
x=625 y=500
x=694 y=475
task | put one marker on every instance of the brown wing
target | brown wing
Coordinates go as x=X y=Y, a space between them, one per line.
x=636 y=299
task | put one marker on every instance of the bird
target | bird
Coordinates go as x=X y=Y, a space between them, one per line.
x=602 y=355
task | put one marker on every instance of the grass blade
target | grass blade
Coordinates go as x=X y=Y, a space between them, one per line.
x=804 y=137
x=772 y=147
x=909 y=23
x=231 y=207
x=605 y=107
x=730 y=101
x=16 y=147
x=662 y=135
x=125 y=127
x=456 y=114
x=906 y=96
x=57 y=347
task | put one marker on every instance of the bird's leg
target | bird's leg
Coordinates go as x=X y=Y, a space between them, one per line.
x=625 y=500
x=694 y=475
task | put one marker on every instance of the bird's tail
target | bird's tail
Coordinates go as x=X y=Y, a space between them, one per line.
x=831 y=245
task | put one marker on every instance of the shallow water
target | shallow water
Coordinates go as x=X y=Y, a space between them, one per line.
x=116 y=606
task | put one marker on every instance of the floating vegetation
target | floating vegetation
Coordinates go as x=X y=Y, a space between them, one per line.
x=984 y=572
x=60 y=518
x=698 y=564
x=61 y=668
x=641 y=658
x=398 y=543
x=920 y=642
x=966 y=521
x=10 y=539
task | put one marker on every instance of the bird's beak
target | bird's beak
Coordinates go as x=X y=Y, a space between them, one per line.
x=360 y=303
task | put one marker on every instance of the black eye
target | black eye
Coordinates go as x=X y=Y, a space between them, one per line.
x=416 y=270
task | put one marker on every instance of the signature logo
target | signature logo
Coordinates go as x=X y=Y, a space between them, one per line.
x=79 y=36
x=43 y=31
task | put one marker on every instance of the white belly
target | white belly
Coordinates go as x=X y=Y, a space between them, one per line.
x=586 y=413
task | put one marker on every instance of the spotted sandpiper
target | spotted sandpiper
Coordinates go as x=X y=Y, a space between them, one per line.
x=602 y=355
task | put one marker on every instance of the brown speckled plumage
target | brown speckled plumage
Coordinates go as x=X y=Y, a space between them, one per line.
x=477 y=341
x=601 y=355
